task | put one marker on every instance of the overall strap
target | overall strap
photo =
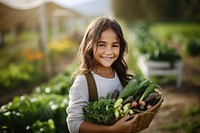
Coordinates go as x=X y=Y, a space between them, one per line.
x=92 y=88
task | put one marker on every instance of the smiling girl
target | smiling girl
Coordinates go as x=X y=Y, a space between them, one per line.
x=101 y=53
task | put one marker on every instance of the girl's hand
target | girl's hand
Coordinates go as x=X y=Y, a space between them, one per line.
x=124 y=125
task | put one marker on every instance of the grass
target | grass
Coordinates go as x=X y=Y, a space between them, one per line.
x=166 y=31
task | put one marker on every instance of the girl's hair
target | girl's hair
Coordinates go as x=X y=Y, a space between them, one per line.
x=91 y=36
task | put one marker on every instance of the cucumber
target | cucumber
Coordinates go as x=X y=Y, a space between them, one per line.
x=136 y=86
x=131 y=87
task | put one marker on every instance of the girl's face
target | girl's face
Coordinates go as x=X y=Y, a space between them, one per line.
x=107 y=49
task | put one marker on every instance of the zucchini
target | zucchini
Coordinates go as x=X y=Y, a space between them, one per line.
x=131 y=87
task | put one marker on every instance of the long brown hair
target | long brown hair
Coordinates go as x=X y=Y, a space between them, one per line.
x=92 y=35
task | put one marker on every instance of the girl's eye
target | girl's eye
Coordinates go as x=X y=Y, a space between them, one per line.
x=115 y=45
x=101 y=45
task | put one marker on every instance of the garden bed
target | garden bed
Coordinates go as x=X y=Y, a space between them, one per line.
x=151 y=68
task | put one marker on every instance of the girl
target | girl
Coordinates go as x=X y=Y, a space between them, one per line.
x=101 y=52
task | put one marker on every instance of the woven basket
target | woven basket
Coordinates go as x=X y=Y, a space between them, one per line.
x=144 y=119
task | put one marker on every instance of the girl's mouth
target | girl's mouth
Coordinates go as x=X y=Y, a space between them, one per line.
x=107 y=58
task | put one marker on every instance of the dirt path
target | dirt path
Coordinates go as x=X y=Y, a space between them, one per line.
x=175 y=100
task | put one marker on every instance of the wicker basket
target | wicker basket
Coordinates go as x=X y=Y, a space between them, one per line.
x=144 y=119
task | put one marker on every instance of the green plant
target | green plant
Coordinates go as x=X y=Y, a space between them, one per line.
x=152 y=48
x=193 y=47
x=44 y=127
x=175 y=30
x=60 y=84
x=31 y=112
x=16 y=74
x=42 y=111
x=25 y=69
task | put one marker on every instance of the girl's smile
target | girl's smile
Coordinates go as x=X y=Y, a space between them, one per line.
x=106 y=50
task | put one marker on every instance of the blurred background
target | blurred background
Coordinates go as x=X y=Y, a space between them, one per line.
x=38 y=44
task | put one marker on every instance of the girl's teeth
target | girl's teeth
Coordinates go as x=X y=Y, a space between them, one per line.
x=107 y=58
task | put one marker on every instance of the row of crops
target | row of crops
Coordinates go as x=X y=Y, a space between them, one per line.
x=26 y=65
x=44 y=110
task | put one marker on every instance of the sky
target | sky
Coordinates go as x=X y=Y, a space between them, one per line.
x=85 y=7
x=88 y=7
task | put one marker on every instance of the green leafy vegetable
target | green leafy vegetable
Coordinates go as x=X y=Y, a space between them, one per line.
x=100 y=112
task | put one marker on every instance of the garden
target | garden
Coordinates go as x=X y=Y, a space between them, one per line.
x=30 y=95
x=35 y=77
x=41 y=105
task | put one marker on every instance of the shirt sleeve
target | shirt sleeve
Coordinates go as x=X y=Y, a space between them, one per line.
x=78 y=95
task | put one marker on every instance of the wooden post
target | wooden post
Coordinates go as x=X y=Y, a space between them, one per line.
x=43 y=36
x=55 y=27
x=43 y=28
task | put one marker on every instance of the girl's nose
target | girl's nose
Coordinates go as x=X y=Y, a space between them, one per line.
x=108 y=50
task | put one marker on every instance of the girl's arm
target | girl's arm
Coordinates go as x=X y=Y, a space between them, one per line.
x=124 y=125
